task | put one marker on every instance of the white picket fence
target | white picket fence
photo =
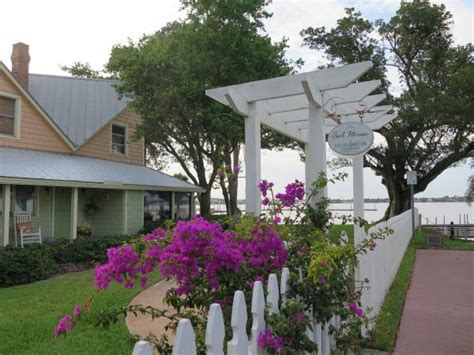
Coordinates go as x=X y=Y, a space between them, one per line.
x=381 y=265
x=241 y=343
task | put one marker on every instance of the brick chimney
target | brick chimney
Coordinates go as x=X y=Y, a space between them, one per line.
x=20 y=62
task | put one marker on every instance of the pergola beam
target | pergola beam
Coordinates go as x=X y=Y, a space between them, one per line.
x=290 y=85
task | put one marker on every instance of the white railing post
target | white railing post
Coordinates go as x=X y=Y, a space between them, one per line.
x=258 y=318
x=142 y=348
x=184 y=342
x=239 y=343
x=285 y=276
x=273 y=294
x=215 y=331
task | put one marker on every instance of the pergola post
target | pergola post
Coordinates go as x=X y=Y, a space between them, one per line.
x=358 y=188
x=6 y=215
x=316 y=152
x=253 y=200
x=74 y=212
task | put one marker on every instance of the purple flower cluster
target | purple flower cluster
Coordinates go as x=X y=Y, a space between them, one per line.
x=121 y=267
x=66 y=323
x=266 y=339
x=356 y=310
x=372 y=245
x=293 y=192
x=296 y=318
x=264 y=186
x=196 y=250
x=265 y=251
x=197 y=247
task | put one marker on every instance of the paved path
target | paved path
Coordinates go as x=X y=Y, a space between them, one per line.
x=142 y=324
x=438 y=317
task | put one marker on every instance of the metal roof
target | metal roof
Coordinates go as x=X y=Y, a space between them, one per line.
x=80 y=107
x=42 y=168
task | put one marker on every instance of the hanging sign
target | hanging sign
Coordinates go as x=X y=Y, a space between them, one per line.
x=351 y=138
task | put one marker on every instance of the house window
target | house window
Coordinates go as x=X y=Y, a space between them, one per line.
x=7 y=116
x=183 y=205
x=119 y=139
x=25 y=199
x=157 y=205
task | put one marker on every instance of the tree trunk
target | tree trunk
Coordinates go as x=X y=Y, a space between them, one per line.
x=205 y=203
x=234 y=184
x=225 y=193
x=399 y=197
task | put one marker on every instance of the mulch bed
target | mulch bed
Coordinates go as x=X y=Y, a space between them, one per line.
x=73 y=267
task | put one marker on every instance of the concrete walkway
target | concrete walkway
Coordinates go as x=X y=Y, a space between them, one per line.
x=143 y=325
x=438 y=317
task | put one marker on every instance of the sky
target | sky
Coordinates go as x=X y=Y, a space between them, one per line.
x=60 y=33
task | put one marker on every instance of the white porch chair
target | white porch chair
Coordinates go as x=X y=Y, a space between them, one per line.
x=25 y=231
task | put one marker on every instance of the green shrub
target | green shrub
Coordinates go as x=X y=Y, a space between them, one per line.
x=40 y=261
x=24 y=265
x=85 y=249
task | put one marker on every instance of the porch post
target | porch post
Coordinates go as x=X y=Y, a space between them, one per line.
x=252 y=155
x=173 y=205
x=193 y=204
x=125 y=212
x=74 y=210
x=316 y=148
x=6 y=215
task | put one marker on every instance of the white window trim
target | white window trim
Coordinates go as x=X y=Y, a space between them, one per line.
x=126 y=138
x=17 y=126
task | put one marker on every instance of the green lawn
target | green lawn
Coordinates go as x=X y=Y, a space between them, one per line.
x=448 y=244
x=28 y=314
x=388 y=320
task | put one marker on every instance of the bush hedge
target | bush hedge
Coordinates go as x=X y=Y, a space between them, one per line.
x=24 y=265
x=39 y=261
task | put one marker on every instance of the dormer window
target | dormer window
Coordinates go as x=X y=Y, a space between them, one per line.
x=119 y=139
x=9 y=116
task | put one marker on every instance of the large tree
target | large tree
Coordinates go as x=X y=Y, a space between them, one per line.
x=434 y=129
x=166 y=74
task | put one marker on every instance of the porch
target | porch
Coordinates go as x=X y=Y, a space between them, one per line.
x=58 y=191
x=60 y=210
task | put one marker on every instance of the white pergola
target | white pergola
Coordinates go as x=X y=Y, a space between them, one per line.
x=305 y=107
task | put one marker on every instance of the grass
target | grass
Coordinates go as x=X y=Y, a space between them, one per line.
x=28 y=314
x=388 y=321
x=448 y=244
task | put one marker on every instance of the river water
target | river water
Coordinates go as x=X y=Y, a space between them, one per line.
x=431 y=212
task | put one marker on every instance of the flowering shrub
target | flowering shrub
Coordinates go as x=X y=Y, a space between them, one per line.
x=209 y=263
x=323 y=277
x=286 y=332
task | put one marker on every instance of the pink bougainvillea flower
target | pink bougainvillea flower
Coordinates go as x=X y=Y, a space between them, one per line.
x=64 y=325
x=265 y=201
x=266 y=339
x=236 y=169
x=356 y=310
x=296 y=318
x=76 y=310
x=322 y=280
x=264 y=186
x=372 y=245
x=277 y=219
